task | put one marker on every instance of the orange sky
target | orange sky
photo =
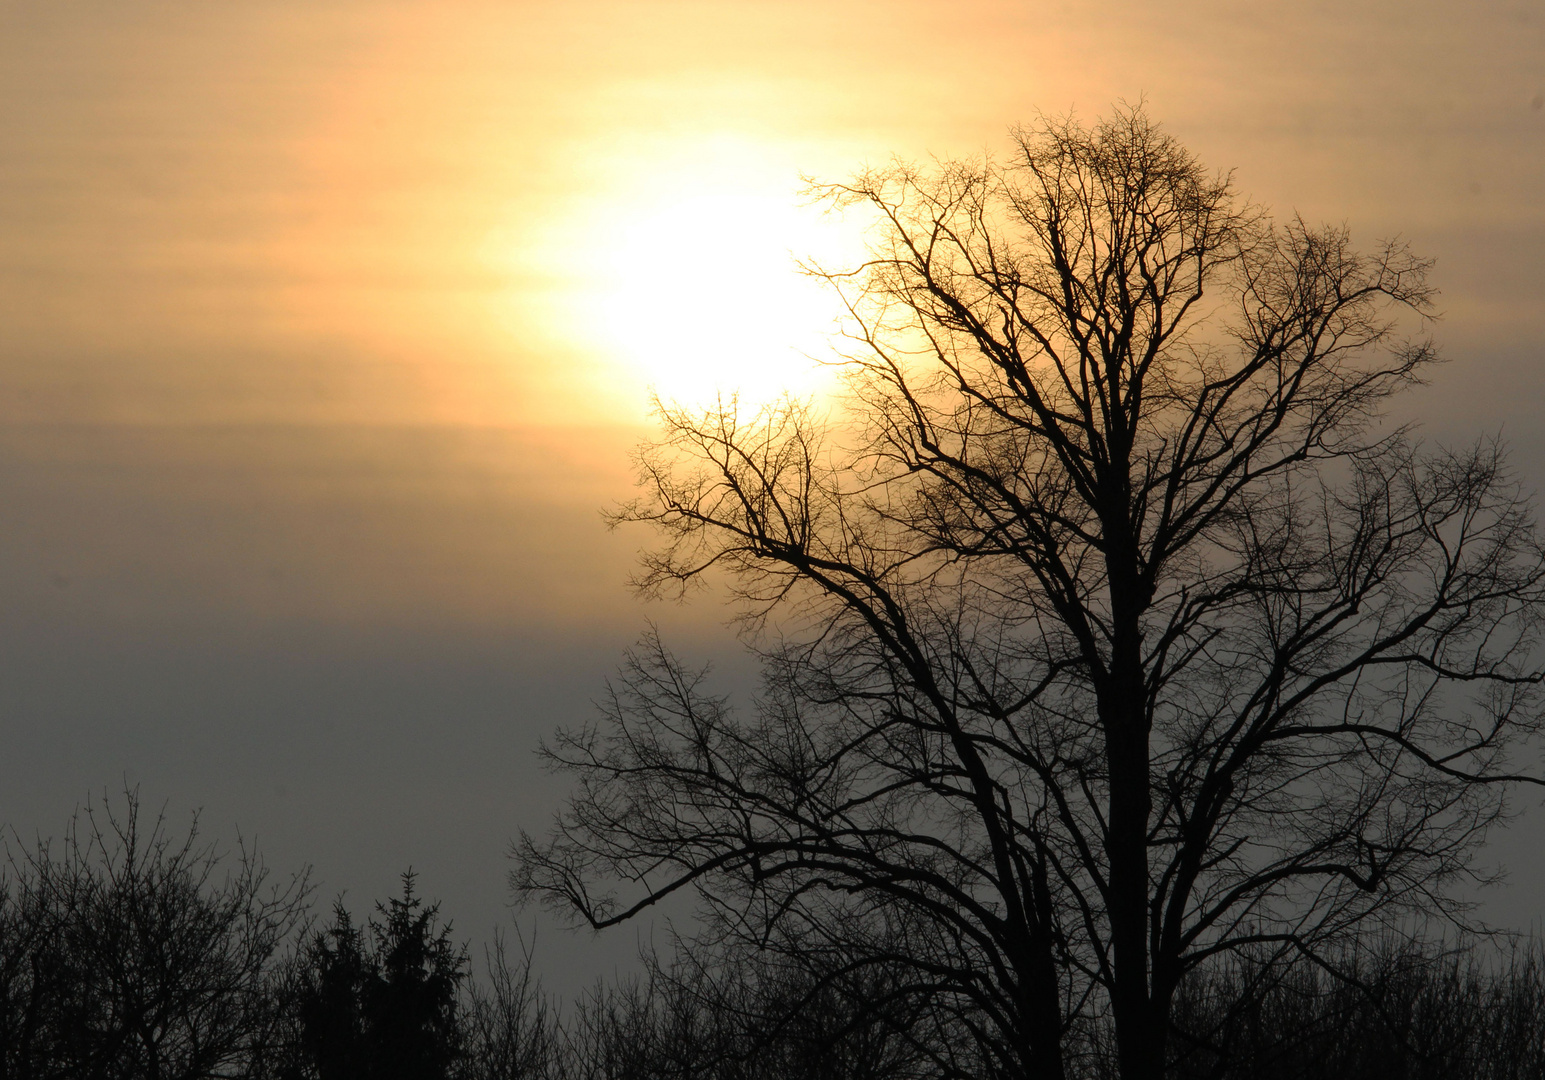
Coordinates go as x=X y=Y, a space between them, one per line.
x=338 y=317
x=439 y=213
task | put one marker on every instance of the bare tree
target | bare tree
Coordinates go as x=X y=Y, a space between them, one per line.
x=511 y=1031
x=127 y=952
x=747 y=1014
x=1393 y=1009
x=1107 y=628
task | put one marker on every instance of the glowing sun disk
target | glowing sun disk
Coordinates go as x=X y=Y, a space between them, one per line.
x=700 y=295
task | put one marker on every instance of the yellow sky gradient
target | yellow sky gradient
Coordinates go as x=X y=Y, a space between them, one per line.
x=348 y=219
x=526 y=213
x=520 y=217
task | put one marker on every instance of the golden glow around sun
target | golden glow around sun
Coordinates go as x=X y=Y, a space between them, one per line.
x=687 y=284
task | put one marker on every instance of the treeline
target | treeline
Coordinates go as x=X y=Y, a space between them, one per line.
x=126 y=952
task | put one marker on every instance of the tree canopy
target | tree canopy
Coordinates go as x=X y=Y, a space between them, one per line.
x=381 y=1001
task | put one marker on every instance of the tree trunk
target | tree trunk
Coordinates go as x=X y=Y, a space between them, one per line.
x=1139 y=1047
x=1043 y=1004
x=1124 y=718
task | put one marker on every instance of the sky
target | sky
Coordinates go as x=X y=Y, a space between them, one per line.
x=327 y=328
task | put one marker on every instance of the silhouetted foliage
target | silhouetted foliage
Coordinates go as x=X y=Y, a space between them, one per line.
x=128 y=953
x=381 y=1002
x=328 y=1001
x=1108 y=631
x=125 y=955
x=1388 y=1011
x=753 y=1015
x=510 y=1031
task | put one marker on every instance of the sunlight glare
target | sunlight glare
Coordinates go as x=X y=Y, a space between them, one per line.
x=691 y=288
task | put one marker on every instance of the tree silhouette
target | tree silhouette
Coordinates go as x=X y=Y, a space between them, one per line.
x=128 y=952
x=328 y=1002
x=380 y=1002
x=1107 y=628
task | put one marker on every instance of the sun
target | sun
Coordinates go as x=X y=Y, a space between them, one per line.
x=689 y=286
x=703 y=295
